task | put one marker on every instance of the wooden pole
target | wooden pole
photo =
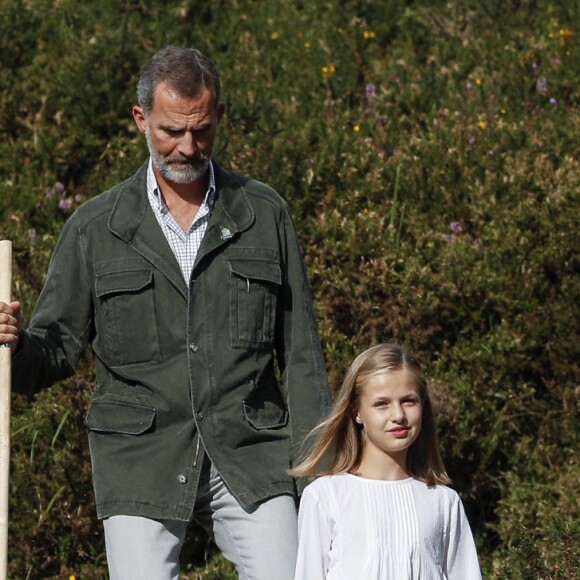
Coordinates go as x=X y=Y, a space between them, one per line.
x=5 y=388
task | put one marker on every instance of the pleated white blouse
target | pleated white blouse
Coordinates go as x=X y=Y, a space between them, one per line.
x=353 y=528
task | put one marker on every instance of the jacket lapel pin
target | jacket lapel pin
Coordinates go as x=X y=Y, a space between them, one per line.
x=226 y=234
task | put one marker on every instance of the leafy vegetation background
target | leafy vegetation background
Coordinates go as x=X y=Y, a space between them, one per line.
x=429 y=152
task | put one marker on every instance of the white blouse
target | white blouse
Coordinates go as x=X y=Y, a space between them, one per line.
x=352 y=528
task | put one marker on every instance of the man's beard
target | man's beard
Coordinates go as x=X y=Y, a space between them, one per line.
x=178 y=169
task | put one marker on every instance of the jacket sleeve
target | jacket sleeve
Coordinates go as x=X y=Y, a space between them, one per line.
x=61 y=322
x=298 y=348
x=461 y=561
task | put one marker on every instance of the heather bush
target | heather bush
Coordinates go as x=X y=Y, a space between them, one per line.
x=428 y=151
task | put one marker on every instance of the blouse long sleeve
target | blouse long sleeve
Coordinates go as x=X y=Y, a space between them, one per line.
x=315 y=539
x=461 y=557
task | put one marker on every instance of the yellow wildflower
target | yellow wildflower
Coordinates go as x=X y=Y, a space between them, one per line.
x=356 y=128
x=274 y=36
x=369 y=35
x=328 y=71
x=307 y=45
x=565 y=36
x=482 y=125
x=478 y=82
x=72 y=577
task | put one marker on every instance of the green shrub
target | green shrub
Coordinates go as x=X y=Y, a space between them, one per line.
x=428 y=152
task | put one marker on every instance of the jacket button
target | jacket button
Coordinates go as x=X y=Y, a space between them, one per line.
x=193 y=347
x=182 y=479
x=199 y=416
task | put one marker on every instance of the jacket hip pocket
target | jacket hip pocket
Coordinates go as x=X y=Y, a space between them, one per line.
x=120 y=417
x=265 y=412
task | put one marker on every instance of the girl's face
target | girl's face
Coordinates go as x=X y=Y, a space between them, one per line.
x=390 y=410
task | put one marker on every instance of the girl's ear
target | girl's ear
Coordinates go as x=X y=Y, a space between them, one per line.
x=354 y=413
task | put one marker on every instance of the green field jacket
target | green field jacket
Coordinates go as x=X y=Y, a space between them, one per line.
x=174 y=363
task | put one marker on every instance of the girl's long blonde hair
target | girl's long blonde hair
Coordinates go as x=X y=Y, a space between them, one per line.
x=339 y=441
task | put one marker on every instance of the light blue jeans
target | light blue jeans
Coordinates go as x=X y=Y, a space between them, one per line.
x=261 y=542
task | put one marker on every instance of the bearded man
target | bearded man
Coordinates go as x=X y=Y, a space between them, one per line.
x=187 y=282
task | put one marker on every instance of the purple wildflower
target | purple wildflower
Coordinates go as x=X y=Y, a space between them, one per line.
x=542 y=86
x=58 y=187
x=468 y=85
x=65 y=203
x=553 y=102
x=370 y=91
x=455 y=228
x=79 y=197
x=472 y=140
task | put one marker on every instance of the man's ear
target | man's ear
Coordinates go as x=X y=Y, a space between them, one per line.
x=221 y=109
x=139 y=117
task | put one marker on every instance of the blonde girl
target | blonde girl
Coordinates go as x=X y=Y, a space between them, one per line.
x=379 y=507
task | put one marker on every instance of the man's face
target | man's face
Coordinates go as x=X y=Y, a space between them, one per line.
x=180 y=132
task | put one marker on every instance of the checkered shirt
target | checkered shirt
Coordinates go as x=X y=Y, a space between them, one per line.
x=184 y=245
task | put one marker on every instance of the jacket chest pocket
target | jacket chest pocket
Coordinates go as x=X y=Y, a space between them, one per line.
x=126 y=320
x=254 y=286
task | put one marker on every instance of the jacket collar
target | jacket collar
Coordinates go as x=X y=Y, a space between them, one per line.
x=231 y=215
x=133 y=220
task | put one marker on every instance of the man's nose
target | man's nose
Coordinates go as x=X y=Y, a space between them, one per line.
x=188 y=145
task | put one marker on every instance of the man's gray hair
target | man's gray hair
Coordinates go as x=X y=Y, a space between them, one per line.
x=187 y=70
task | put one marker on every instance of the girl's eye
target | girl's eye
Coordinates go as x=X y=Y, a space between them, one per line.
x=410 y=402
